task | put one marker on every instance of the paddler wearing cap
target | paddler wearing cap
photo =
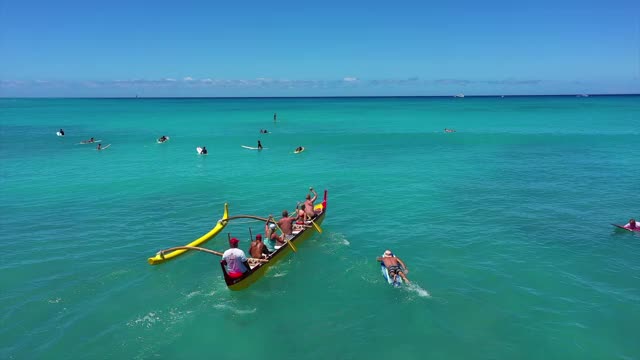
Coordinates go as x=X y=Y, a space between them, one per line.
x=395 y=266
x=258 y=250
x=235 y=259
x=270 y=235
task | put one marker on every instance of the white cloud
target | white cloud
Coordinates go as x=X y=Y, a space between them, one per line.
x=188 y=78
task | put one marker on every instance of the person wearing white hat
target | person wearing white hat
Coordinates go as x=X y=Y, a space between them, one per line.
x=394 y=265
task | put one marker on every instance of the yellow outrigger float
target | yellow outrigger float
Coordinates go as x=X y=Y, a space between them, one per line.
x=161 y=257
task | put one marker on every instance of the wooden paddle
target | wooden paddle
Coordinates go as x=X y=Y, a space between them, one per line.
x=283 y=234
x=316 y=226
x=161 y=252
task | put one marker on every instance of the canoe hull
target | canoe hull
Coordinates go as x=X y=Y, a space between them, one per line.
x=256 y=273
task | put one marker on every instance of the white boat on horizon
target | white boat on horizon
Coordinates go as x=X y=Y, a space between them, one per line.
x=459 y=95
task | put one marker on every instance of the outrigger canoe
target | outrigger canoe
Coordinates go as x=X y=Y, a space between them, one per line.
x=199 y=241
x=258 y=269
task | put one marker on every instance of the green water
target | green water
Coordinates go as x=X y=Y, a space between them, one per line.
x=505 y=223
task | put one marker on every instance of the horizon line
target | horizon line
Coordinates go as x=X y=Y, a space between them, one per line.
x=136 y=97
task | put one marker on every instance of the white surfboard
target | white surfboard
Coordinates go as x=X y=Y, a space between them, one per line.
x=59 y=133
x=199 y=150
x=86 y=142
x=104 y=147
x=161 y=142
x=252 y=148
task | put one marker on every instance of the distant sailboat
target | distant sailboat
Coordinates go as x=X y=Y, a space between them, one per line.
x=459 y=95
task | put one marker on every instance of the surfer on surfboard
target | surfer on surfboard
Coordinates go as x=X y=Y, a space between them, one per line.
x=61 y=132
x=203 y=151
x=259 y=145
x=394 y=265
x=632 y=225
x=162 y=139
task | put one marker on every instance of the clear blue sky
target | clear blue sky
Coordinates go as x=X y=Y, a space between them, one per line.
x=298 y=48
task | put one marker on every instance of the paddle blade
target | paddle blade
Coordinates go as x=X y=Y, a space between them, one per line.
x=292 y=247
x=317 y=227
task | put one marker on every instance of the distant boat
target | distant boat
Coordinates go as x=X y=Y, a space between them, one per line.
x=459 y=96
x=582 y=95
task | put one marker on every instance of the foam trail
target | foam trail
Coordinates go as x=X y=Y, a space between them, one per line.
x=418 y=290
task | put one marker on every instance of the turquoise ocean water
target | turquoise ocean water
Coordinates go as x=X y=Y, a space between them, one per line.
x=506 y=224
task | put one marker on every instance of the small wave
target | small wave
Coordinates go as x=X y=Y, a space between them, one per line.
x=280 y=274
x=192 y=294
x=418 y=290
x=147 y=321
x=235 y=310
x=54 y=301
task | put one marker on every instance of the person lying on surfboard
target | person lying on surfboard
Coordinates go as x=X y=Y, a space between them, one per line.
x=394 y=265
x=632 y=225
x=162 y=138
x=299 y=148
x=88 y=141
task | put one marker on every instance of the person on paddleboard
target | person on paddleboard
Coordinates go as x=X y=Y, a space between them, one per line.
x=394 y=265
x=259 y=145
x=632 y=225
x=235 y=260
x=258 y=250
x=204 y=150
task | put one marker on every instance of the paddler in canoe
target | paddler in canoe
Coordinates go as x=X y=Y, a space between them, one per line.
x=235 y=260
x=286 y=224
x=308 y=204
x=258 y=249
x=395 y=266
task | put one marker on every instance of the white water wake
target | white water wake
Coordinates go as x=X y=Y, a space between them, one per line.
x=418 y=290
